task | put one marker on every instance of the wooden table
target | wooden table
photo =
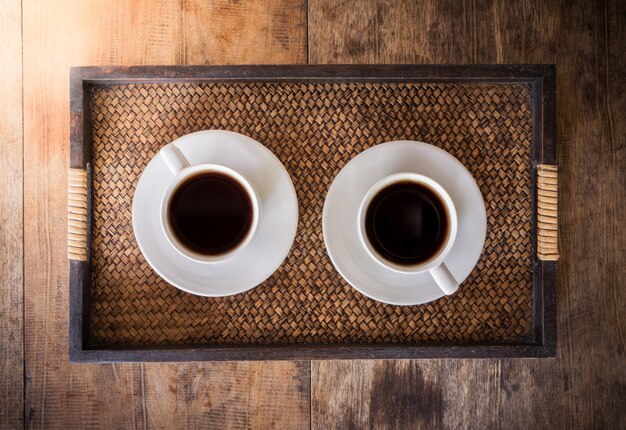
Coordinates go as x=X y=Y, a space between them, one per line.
x=583 y=387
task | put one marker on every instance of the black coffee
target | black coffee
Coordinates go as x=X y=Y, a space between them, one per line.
x=406 y=223
x=210 y=213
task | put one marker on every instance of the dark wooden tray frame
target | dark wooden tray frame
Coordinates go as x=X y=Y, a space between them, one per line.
x=542 y=80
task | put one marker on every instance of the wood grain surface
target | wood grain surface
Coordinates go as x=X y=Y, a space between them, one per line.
x=11 y=217
x=58 y=35
x=584 y=387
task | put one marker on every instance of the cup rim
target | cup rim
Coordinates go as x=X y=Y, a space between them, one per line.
x=434 y=260
x=180 y=177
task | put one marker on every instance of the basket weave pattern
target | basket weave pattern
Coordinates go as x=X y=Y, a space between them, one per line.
x=314 y=129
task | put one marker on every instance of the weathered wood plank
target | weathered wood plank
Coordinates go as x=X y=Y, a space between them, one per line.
x=242 y=32
x=60 y=34
x=11 y=215
x=388 y=31
x=584 y=386
x=396 y=394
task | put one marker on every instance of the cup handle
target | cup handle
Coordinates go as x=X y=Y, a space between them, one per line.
x=444 y=279
x=174 y=158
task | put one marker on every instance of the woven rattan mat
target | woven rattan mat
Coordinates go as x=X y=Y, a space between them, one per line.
x=314 y=129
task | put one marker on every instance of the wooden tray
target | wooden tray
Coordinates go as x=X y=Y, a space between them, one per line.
x=499 y=121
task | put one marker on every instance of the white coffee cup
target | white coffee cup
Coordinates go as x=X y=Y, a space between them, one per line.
x=434 y=264
x=182 y=169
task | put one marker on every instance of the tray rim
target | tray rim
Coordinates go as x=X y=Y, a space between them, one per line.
x=542 y=81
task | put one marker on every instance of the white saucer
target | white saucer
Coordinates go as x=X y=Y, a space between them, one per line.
x=272 y=241
x=341 y=213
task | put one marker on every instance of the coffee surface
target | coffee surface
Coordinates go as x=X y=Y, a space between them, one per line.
x=406 y=223
x=210 y=213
